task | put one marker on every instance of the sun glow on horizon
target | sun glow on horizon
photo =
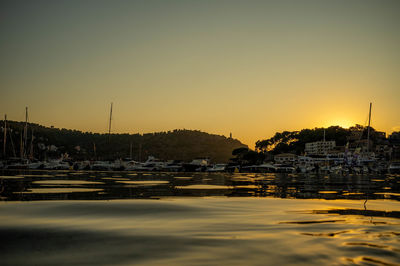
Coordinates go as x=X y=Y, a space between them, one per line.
x=340 y=122
x=253 y=69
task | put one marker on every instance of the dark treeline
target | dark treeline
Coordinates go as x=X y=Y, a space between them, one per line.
x=177 y=144
x=294 y=141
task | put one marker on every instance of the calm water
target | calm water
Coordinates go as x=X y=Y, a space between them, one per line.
x=57 y=218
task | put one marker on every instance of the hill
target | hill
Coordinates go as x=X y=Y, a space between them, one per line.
x=294 y=141
x=178 y=144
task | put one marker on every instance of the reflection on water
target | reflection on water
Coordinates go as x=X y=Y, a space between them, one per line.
x=394 y=214
x=100 y=218
x=14 y=185
x=58 y=190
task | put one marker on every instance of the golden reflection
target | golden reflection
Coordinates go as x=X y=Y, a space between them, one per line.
x=114 y=178
x=334 y=234
x=66 y=182
x=183 y=177
x=147 y=182
x=248 y=187
x=203 y=187
x=11 y=177
x=58 y=190
x=362 y=260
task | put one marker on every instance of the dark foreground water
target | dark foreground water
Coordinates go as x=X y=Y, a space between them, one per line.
x=87 y=218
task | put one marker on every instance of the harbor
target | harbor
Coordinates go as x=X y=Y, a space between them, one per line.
x=364 y=150
x=303 y=164
x=199 y=133
x=150 y=218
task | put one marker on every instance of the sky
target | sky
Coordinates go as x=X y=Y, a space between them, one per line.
x=251 y=68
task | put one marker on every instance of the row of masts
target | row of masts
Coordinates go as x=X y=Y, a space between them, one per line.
x=369 y=124
x=23 y=139
x=109 y=125
x=130 y=144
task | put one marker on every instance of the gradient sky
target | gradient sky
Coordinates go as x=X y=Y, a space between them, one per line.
x=247 y=67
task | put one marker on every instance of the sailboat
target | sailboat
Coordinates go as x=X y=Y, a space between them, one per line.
x=364 y=159
x=22 y=161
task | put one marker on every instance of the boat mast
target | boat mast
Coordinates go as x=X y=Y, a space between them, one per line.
x=5 y=136
x=94 y=151
x=325 y=150
x=369 y=125
x=140 y=152
x=25 y=133
x=31 y=150
x=130 y=150
x=21 y=147
x=109 y=124
x=12 y=143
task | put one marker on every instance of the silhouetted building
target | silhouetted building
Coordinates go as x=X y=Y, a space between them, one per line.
x=383 y=152
x=380 y=135
x=363 y=144
x=394 y=138
x=319 y=147
x=285 y=158
x=355 y=135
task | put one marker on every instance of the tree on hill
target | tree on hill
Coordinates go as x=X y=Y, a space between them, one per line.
x=178 y=144
x=294 y=141
x=245 y=156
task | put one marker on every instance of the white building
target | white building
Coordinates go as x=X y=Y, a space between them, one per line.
x=285 y=158
x=319 y=147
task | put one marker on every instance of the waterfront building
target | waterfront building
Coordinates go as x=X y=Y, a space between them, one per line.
x=394 y=138
x=285 y=158
x=380 y=135
x=319 y=147
x=383 y=151
x=363 y=145
x=355 y=135
x=306 y=160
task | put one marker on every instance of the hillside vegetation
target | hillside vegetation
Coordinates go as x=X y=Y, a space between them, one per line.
x=294 y=141
x=177 y=144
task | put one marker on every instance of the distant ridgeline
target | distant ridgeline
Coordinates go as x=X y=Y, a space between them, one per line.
x=172 y=145
x=294 y=141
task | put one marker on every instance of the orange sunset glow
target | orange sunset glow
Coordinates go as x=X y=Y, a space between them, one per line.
x=218 y=67
x=199 y=132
